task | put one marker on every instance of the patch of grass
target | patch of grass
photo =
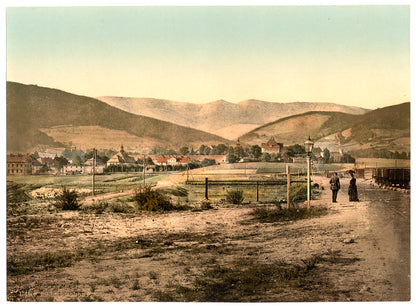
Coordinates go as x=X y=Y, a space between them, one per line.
x=120 y=207
x=245 y=279
x=95 y=207
x=235 y=196
x=175 y=191
x=334 y=257
x=91 y=298
x=16 y=193
x=270 y=215
x=34 y=263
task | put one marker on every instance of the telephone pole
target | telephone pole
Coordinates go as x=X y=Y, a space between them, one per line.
x=144 y=170
x=94 y=158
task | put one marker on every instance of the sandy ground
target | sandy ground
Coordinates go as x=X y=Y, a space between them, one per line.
x=170 y=257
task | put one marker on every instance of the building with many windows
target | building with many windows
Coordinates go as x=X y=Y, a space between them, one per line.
x=19 y=165
x=271 y=146
x=121 y=158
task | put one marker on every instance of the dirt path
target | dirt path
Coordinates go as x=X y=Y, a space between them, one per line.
x=380 y=232
x=355 y=253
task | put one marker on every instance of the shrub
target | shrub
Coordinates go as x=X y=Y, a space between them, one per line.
x=67 y=200
x=235 y=196
x=148 y=199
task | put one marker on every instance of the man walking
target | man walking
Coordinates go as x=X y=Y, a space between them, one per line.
x=335 y=186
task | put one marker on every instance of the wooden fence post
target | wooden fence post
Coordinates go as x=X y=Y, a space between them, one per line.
x=257 y=188
x=288 y=185
x=206 y=188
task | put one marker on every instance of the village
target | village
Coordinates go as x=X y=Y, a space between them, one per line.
x=61 y=161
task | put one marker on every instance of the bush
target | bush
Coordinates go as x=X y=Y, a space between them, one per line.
x=67 y=200
x=235 y=196
x=148 y=199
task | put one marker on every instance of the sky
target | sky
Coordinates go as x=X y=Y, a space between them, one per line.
x=351 y=55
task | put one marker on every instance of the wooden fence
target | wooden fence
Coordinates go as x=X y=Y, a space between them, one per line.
x=209 y=182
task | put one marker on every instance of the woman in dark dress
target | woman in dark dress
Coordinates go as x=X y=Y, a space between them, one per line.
x=352 y=189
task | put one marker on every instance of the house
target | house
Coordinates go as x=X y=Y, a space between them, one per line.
x=19 y=165
x=73 y=169
x=271 y=146
x=172 y=160
x=182 y=160
x=121 y=158
x=162 y=160
x=36 y=166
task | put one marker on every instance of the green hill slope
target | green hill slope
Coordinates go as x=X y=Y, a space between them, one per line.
x=385 y=128
x=31 y=108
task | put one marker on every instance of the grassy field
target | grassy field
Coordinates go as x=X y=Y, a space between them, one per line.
x=103 y=183
x=39 y=188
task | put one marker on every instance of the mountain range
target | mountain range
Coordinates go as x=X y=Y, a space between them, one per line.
x=221 y=118
x=39 y=117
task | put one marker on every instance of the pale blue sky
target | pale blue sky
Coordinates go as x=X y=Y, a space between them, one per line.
x=352 y=55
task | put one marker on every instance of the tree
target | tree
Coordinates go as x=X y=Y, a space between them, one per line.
x=275 y=157
x=296 y=149
x=78 y=160
x=184 y=150
x=201 y=149
x=59 y=162
x=266 y=157
x=256 y=151
x=220 y=149
x=171 y=152
x=327 y=156
x=347 y=158
x=208 y=162
x=239 y=152
x=232 y=158
x=44 y=168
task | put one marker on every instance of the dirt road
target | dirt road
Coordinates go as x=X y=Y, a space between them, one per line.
x=358 y=251
x=381 y=239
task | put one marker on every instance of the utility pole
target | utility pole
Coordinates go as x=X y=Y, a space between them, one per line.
x=308 y=160
x=144 y=170
x=288 y=185
x=94 y=158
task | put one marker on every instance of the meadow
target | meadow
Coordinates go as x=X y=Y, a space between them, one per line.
x=40 y=188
